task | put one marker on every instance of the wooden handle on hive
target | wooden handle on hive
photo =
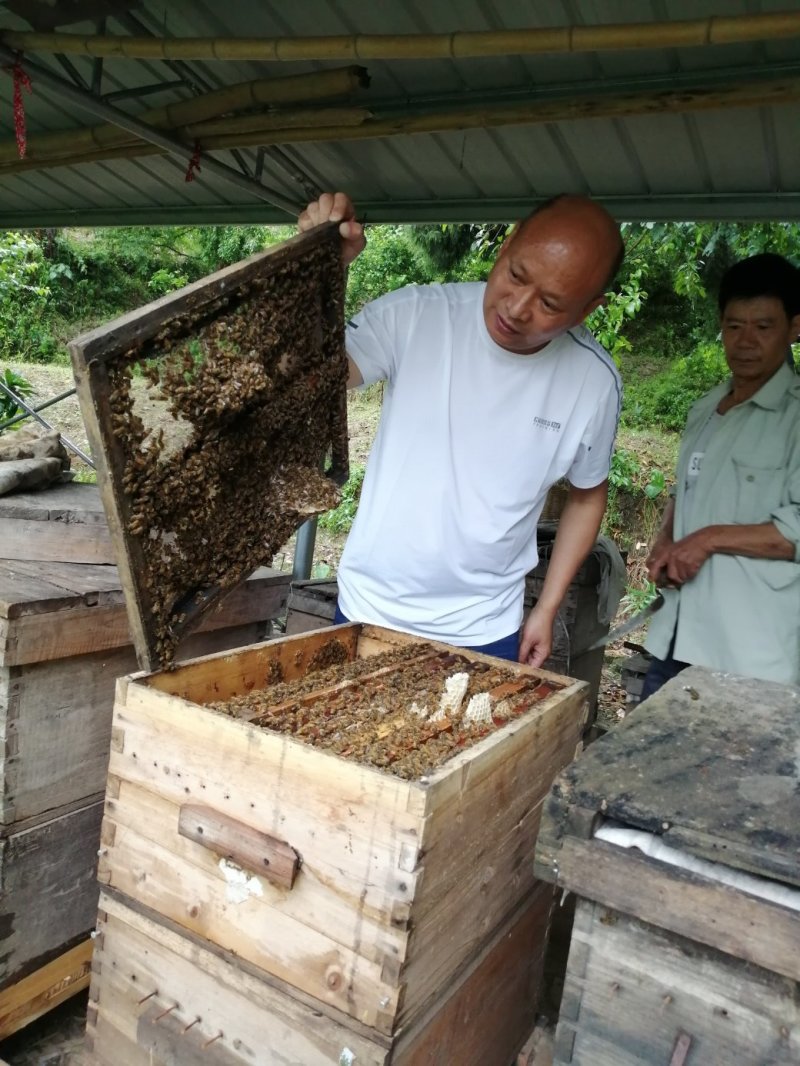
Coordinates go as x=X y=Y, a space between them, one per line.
x=254 y=851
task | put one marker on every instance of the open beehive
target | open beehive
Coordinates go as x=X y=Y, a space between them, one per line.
x=217 y=416
x=376 y=896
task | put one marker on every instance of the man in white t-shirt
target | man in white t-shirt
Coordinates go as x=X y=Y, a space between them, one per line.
x=493 y=392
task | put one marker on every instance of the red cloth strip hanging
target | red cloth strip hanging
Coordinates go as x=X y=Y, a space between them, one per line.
x=21 y=80
x=194 y=163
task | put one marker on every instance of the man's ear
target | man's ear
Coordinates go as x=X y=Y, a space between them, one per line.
x=794 y=329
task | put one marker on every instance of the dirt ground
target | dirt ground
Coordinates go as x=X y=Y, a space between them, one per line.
x=57 y=1038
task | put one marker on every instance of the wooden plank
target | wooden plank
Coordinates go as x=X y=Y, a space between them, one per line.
x=638 y=993
x=222 y=677
x=49 y=893
x=81 y=627
x=70 y=502
x=41 y=991
x=705 y=911
x=703 y=763
x=54 y=542
x=139 y=956
x=159 y=994
x=55 y=722
x=253 y=851
x=484 y=1015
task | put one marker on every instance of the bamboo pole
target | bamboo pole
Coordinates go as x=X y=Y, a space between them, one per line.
x=687 y=33
x=302 y=118
x=751 y=94
x=292 y=89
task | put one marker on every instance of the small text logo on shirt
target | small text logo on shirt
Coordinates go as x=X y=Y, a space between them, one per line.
x=546 y=423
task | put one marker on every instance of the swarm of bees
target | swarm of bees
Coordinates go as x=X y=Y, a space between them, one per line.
x=255 y=388
x=370 y=710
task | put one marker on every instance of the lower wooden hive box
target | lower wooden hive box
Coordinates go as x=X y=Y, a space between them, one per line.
x=680 y=834
x=275 y=902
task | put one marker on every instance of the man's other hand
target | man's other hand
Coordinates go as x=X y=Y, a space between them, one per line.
x=537 y=638
x=687 y=555
x=658 y=559
x=336 y=207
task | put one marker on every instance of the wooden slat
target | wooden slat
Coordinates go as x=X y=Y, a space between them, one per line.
x=99 y=621
x=54 y=542
x=139 y=955
x=49 y=891
x=41 y=991
x=722 y=917
x=72 y=502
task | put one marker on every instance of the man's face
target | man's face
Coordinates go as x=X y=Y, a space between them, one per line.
x=542 y=284
x=756 y=334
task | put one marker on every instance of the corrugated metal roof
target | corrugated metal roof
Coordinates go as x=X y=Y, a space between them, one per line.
x=728 y=162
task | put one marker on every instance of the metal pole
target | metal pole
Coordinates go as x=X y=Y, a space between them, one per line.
x=304 y=550
x=85 y=100
x=39 y=407
x=32 y=411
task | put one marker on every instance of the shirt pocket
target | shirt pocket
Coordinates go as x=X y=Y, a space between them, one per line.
x=759 y=491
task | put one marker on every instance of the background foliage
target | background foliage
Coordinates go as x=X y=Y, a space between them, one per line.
x=659 y=323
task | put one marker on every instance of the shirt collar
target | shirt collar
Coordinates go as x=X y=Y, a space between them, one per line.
x=772 y=392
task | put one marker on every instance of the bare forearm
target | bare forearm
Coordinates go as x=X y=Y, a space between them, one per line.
x=577 y=533
x=762 y=541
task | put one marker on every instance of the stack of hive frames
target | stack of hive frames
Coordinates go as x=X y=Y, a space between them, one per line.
x=211 y=414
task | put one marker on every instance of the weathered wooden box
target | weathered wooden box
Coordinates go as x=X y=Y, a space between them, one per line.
x=408 y=895
x=64 y=641
x=690 y=963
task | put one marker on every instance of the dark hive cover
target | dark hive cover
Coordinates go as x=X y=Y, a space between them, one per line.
x=217 y=419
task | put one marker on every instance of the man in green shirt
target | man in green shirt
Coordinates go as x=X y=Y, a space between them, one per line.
x=729 y=543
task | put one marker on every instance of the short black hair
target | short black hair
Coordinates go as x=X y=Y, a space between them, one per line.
x=767 y=274
x=619 y=255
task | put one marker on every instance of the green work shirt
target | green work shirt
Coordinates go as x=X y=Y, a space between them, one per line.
x=737 y=614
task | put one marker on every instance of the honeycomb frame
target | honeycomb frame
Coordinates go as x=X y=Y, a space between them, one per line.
x=250 y=366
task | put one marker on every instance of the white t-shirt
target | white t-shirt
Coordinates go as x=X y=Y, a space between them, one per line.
x=470 y=439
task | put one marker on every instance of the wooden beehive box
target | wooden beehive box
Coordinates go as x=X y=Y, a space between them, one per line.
x=212 y=413
x=671 y=964
x=64 y=640
x=342 y=909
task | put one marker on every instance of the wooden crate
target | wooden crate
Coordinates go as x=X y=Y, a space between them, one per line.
x=673 y=965
x=48 y=888
x=162 y=996
x=402 y=884
x=636 y=994
x=64 y=640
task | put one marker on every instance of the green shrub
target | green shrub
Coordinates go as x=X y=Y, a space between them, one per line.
x=340 y=519
x=19 y=385
x=664 y=399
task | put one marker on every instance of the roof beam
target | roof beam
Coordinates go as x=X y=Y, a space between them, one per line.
x=686 y=33
x=742 y=206
x=256 y=131
x=88 y=102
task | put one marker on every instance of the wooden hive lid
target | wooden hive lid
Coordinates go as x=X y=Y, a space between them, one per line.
x=710 y=763
x=211 y=413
